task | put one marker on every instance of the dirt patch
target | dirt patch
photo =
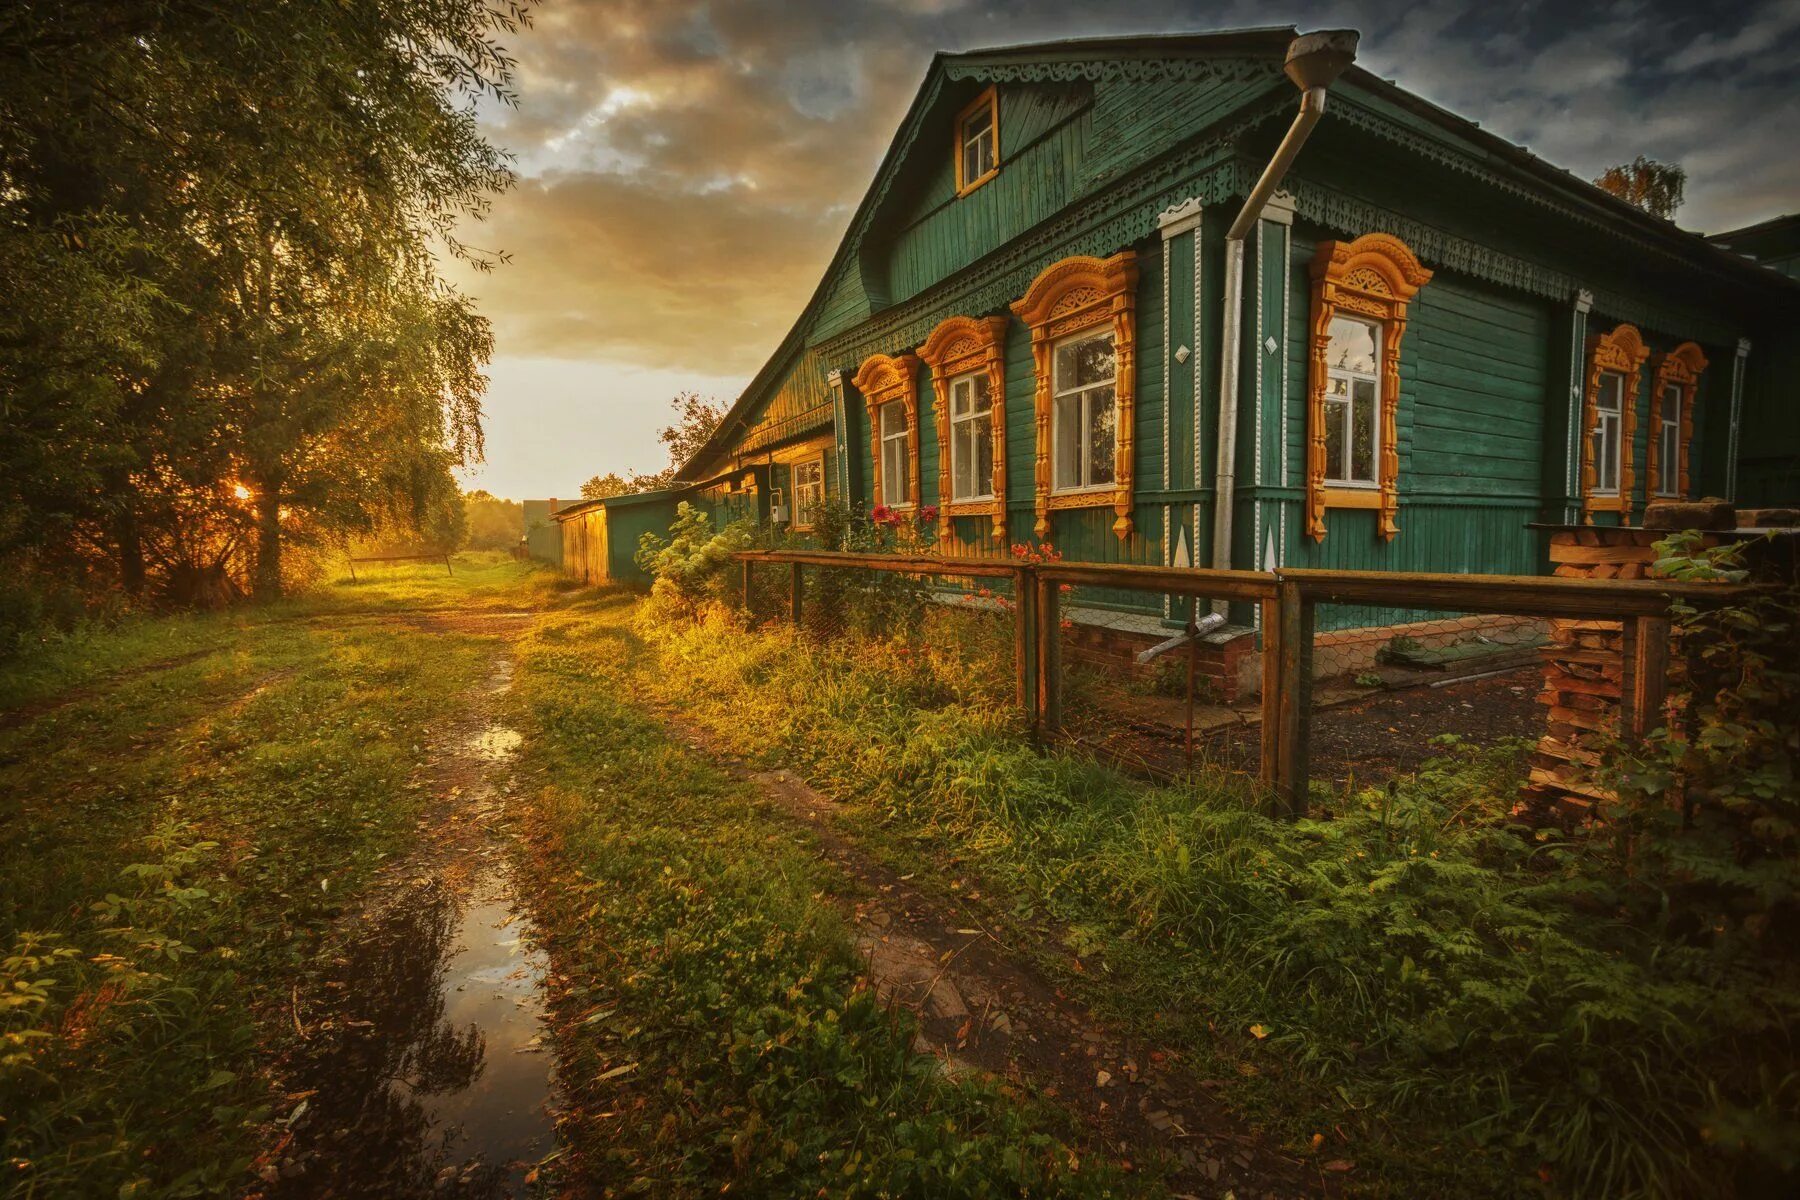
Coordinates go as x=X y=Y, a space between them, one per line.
x=1389 y=734
x=983 y=1007
x=419 y=1068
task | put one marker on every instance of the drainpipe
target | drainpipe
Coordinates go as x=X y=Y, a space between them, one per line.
x=1314 y=61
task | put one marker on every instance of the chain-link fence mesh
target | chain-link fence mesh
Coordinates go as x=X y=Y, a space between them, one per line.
x=1392 y=688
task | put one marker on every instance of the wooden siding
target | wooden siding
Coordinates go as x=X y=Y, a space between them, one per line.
x=1134 y=120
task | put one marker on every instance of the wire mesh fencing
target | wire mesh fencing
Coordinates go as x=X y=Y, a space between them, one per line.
x=1394 y=688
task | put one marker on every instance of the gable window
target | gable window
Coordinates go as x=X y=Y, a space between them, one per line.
x=809 y=491
x=1085 y=416
x=967 y=356
x=971 y=438
x=1609 y=407
x=1082 y=313
x=1360 y=293
x=977 y=142
x=896 y=446
x=1677 y=379
x=1609 y=423
x=1352 y=410
x=890 y=387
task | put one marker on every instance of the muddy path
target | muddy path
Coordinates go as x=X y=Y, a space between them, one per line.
x=419 y=1066
x=983 y=1006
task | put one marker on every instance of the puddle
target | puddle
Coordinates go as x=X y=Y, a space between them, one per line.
x=495 y=743
x=433 y=1082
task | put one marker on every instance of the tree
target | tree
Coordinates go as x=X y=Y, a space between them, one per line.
x=220 y=228
x=1653 y=186
x=696 y=420
x=600 y=487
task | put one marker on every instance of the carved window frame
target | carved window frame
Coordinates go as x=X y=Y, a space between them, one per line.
x=1621 y=352
x=816 y=459
x=961 y=346
x=1681 y=368
x=886 y=379
x=990 y=100
x=1373 y=277
x=1072 y=296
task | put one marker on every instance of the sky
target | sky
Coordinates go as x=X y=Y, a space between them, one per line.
x=686 y=168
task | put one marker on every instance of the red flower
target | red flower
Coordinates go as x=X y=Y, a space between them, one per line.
x=928 y=514
x=883 y=515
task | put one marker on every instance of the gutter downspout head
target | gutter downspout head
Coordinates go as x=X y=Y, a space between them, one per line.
x=1314 y=61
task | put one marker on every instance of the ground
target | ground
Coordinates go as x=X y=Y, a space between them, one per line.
x=417 y=886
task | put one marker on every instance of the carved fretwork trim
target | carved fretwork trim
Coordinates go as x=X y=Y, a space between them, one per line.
x=1069 y=296
x=956 y=347
x=884 y=379
x=1623 y=351
x=1682 y=367
x=1374 y=276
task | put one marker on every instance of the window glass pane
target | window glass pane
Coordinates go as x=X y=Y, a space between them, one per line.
x=982 y=437
x=1612 y=387
x=1671 y=403
x=893 y=420
x=1352 y=346
x=1085 y=362
x=983 y=401
x=1067 y=421
x=1362 y=431
x=1669 y=461
x=893 y=470
x=1606 y=458
x=1335 y=449
x=1100 y=437
x=959 y=399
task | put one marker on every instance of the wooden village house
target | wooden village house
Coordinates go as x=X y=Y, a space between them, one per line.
x=1427 y=344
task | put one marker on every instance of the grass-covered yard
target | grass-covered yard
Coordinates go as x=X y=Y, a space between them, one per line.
x=1401 y=996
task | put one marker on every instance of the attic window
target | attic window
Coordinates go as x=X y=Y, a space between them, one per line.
x=977 y=143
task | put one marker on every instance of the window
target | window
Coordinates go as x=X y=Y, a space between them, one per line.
x=1360 y=293
x=890 y=387
x=977 y=142
x=896 y=442
x=1085 y=416
x=968 y=378
x=1668 y=443
x=809 y=491
x=971 y=438
x=1677 y=383
x=1608 y=425
x=1609 y=409
x=1351 y=408
x=1082 y=313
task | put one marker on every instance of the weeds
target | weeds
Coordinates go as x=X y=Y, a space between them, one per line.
x=1472 y=998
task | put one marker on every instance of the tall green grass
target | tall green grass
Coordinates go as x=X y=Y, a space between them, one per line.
x=1470 y=1000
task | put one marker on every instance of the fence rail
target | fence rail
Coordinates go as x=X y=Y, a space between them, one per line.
x=1494 y=616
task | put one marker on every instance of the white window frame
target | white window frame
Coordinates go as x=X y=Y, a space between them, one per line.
x=972 y=425
x=808 y=494
x=1668 y=448
x=895 y=482
x=1609 y=431
x=1337 y=474
x=988 y=102
x=1058 y=393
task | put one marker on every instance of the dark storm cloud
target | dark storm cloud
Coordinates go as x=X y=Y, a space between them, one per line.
x=689 y=166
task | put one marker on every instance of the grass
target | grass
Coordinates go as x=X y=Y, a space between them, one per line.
x=179 y=841
x=715 y=1033
x=1458 y=1008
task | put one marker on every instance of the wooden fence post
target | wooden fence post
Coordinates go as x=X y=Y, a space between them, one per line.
x=798 y=586
x=748 y=568
x=1294 y=698
x=1025 y=643
x=1644 y=677
x=1049 y=658
x=1271 y=692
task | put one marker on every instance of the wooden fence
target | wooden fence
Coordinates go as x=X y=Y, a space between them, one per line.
x=1288 y=601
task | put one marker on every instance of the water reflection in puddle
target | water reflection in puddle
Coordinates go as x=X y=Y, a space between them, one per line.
x=433 y=1082
x=496 y=743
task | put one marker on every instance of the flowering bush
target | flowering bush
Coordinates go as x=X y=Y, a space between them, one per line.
x=692 y=565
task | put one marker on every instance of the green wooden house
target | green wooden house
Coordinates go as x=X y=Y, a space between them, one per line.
x=1440 y=339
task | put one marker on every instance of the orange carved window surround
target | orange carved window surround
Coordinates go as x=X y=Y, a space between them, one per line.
x=960 y=346
x=1373 y=278
x=883 y=380
x=1680 y=368
x=1073 y=296
x=1621 y=352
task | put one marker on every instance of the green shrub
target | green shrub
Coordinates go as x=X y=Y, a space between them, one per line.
x=692 y=566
